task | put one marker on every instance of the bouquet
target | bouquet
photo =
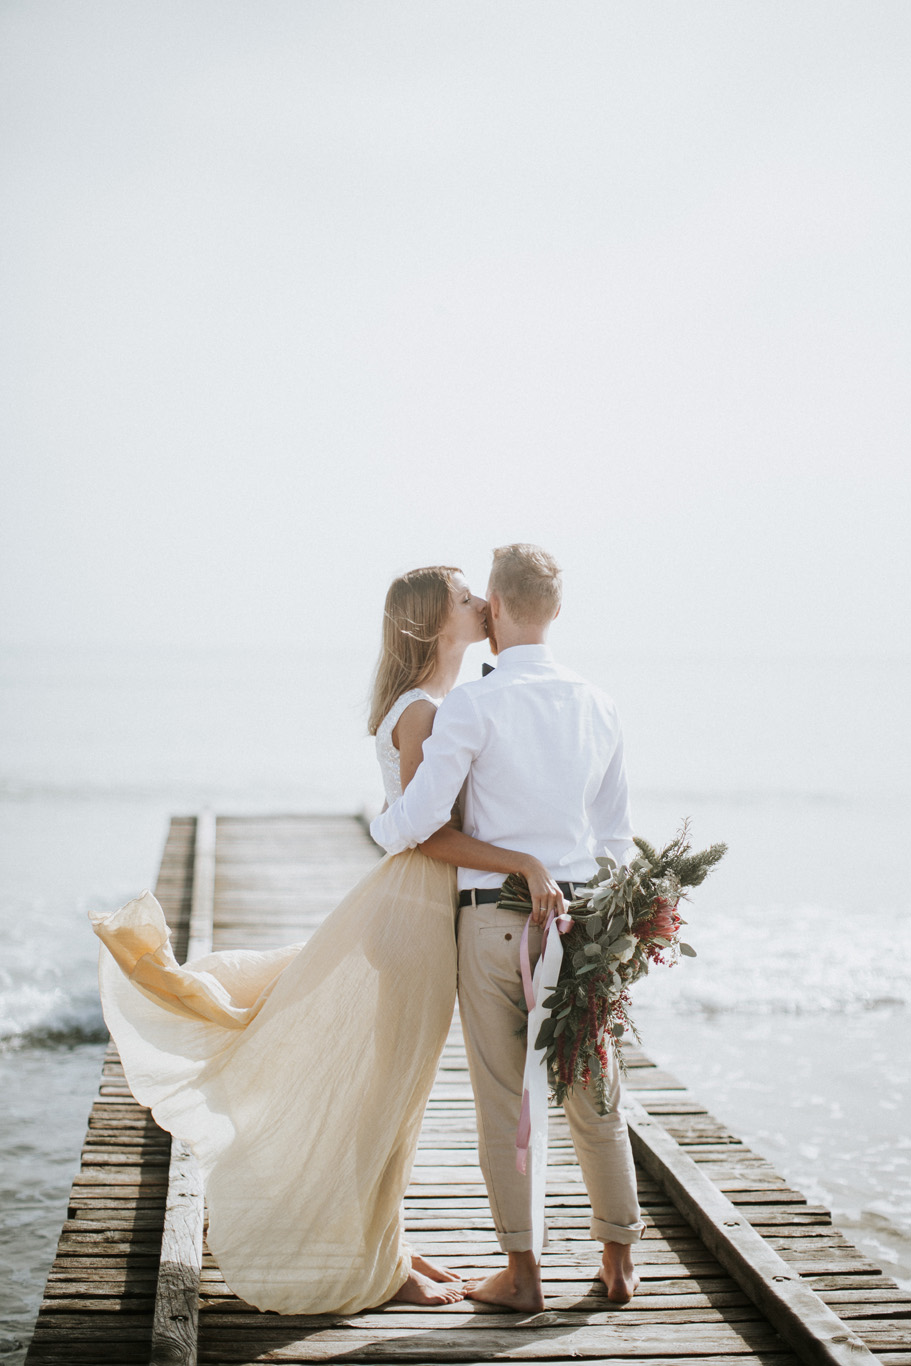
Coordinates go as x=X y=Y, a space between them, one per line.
x=624 y=920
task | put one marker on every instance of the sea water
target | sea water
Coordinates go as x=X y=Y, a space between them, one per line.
x=791 y=1024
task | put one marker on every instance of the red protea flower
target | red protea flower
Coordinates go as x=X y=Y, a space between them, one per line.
x=663 y=921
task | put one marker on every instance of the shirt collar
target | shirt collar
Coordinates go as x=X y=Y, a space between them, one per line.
x=519 y=655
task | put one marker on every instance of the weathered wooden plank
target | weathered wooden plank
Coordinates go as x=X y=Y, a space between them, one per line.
x=117 y=1243
x=175 y=1325
x=727 y=1302
x=532 y=1341
x=65 y=1292
x=125 y=1157
x=590 y=1300
x=135 y=1176
x=176 y=1315
x=134 y=1257
x=88 y=1352
x=469 y=1317
x=130 y=1327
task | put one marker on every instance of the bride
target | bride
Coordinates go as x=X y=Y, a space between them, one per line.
x=299 y=1076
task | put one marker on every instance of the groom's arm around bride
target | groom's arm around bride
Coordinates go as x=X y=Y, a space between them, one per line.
x=537 y=754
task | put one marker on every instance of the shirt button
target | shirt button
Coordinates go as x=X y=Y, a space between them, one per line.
x=509 y=936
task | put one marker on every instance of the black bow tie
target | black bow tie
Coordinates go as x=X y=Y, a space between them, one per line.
x=486 y=669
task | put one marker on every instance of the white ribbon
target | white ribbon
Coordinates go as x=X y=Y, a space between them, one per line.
x=531 y=1138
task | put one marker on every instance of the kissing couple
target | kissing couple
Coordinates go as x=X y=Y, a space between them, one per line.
x=299 y=1076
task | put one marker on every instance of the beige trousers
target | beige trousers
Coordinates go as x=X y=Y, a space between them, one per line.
x=492 y=1010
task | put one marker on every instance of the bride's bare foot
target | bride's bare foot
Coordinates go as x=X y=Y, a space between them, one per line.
x=431 y=1270
x=517 y=1286
x=618 y=1273
x=420 y=1289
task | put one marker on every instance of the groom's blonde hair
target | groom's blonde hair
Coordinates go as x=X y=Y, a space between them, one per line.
x=529 y=583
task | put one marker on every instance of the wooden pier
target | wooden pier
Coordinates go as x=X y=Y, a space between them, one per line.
x=737 y=1268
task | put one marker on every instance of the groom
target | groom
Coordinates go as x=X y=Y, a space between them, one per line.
x=537 y=754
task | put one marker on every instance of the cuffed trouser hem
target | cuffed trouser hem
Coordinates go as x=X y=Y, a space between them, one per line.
x=603 y=1232
x=517 y=1242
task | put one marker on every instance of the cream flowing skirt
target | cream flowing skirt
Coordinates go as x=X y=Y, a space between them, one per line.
x=298 y=1077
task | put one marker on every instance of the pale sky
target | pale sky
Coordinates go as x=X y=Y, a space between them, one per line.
x=300 y=295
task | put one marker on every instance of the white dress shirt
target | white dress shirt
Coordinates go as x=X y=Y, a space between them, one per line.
x=537 y=754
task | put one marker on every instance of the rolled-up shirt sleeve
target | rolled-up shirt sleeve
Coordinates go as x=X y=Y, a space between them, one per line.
x=427 y=802
x=610 y=815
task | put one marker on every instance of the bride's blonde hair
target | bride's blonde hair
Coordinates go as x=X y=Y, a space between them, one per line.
x=417 y=606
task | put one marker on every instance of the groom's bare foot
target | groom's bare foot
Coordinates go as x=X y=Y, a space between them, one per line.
x=420 y=1289
x=431 y=1270
x=618 y=1273
x=517 y=1286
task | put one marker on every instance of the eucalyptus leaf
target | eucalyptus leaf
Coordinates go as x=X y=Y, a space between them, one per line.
x=618 y=1029
x=625 y=947
x=687 y=950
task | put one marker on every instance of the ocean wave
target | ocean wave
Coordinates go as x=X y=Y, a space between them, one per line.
x=33 y=1016
x=721 y=1000
x=822 y=988
x=52 y=1039
x=787 y=959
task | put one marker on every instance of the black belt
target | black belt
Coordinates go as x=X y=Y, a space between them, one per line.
x=479 y=896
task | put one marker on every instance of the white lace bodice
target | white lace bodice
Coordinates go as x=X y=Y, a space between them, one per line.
x=386 y=752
